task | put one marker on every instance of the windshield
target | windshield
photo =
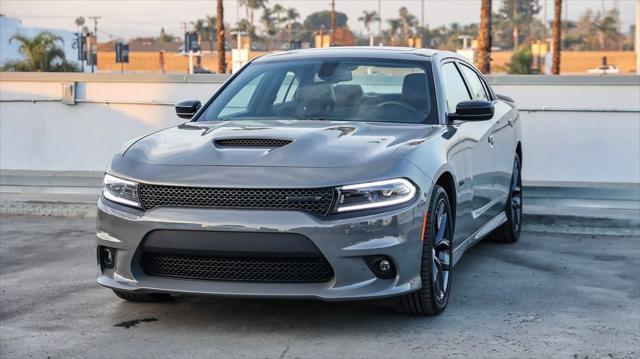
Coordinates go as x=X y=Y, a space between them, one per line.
x=328 y=89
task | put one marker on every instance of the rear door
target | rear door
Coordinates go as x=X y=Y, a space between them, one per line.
x=476 y=138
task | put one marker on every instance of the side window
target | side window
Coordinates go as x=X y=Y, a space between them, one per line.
x=287 y=89
x=454 y=87
x=240 y=102
x=474 y=83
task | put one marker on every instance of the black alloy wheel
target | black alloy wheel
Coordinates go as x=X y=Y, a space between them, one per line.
x=437 y=256
x=509 y=232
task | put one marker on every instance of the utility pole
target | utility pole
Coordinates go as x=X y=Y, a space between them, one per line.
x=422 y=13
x=380 y=21
x=95 y=24
x=333 y=22
x=637 y=43
x=94 y=43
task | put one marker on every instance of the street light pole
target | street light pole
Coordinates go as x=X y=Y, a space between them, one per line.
x=94 y=42
x=333 y=22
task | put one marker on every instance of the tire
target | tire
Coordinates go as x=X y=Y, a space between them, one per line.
x=509 y=231
x=435 y=270
x=142 y=297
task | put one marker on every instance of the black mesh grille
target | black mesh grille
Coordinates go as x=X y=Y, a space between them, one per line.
x=277 y=270
x=252 y=142
x=317 y=200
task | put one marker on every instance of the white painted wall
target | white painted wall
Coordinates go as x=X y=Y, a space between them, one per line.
x=567 y=143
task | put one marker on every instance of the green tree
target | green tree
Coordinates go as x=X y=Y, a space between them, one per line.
x=41 y=54
x=521 y=62
x=164 y=37
x=317 y=20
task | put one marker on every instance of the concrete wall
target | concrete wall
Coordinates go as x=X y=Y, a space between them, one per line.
x=577 y=129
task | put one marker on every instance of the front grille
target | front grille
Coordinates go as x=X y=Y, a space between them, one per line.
x=243 y=269
x=252 y=142
x=317 y=200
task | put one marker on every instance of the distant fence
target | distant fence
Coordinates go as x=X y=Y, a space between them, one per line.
x=577 y=129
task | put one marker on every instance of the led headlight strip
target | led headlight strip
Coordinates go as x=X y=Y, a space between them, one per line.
x=375 y=194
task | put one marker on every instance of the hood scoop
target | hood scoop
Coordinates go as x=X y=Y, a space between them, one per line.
x=251 y=142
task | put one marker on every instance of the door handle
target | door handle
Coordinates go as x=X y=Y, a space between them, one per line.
x=492 y=140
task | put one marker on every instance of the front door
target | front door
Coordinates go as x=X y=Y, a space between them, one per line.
x=477 y=141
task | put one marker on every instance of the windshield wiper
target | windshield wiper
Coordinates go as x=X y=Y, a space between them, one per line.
x=318 y=118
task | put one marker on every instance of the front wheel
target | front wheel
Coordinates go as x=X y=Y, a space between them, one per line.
x=509 y=232
x=435 y=272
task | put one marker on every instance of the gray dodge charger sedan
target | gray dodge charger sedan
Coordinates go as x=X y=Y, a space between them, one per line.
x=337 y=174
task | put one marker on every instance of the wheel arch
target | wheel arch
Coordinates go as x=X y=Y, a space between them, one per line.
x=519 y=152
x=447 y=181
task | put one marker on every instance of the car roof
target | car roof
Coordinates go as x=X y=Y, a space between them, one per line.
x=380 y=52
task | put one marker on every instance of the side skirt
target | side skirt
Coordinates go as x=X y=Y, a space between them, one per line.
x=492 y=224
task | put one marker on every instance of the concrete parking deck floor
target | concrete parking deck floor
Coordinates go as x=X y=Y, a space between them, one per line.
x=546 y=296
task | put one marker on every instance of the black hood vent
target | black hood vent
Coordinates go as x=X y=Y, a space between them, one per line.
x=251 y=142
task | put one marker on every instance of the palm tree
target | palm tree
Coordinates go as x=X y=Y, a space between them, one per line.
x=41 y=54
x=408 y=22
x=394 y=26
x=367 y=18
x=557 y=38
x=484 y=38
x=250 y=7
x=292 y=16
x=222 y=56
x=79 y=22
x=278 y=9
x=268 y=22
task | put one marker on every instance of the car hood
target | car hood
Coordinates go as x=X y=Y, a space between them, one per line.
x=313 y=143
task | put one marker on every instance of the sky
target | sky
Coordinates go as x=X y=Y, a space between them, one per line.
x=124 y=19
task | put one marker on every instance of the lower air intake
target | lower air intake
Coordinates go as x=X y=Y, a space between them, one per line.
x=240 y=269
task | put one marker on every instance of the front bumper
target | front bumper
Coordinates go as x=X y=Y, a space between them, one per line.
x=343 y=242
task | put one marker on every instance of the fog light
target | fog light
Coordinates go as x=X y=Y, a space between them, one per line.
x=384 y=266
x=381 y=266
x=107 y=257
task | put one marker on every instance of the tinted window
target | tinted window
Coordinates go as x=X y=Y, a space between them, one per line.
x=328 y=89
x=475 y=83
x=454 y=87
x=239 y=103
x=287 y=89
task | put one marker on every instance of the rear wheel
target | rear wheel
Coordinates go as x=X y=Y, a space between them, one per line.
x=142 y=297
x=509 y=232
x=435 y=271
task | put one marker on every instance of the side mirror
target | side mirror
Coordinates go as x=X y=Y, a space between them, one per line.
x=187 y=108
x=474 y=110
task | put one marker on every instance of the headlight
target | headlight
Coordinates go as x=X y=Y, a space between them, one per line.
x=375 y=194
x=121 y=191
